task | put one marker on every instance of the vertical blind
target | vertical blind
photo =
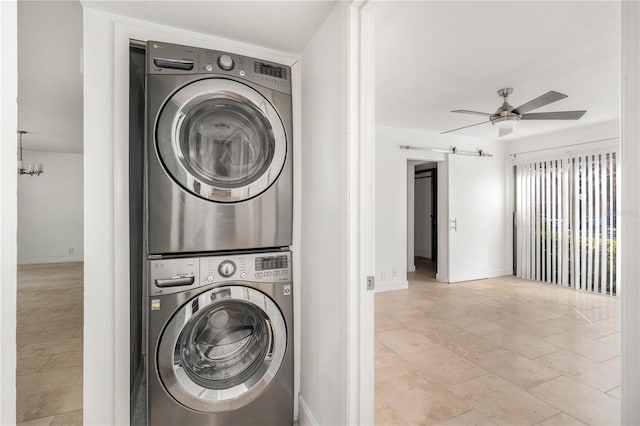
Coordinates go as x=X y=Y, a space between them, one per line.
x=566 y=221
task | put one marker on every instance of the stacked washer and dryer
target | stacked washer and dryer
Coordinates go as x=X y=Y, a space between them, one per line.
x=218 y=227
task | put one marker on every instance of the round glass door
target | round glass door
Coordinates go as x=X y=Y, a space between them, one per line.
x=221 y=140
x=222 y=349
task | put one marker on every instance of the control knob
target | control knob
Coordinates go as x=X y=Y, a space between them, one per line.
x=227 y=268
x=226 y=62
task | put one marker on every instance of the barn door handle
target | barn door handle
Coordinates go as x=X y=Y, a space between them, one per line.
x=454 y=224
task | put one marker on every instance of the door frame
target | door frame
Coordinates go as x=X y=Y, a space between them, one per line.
x=361 y=167
x=8 y=207
x=434 y=212
x=630 y=219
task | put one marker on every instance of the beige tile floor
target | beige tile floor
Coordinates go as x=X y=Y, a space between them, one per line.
x=503 y=351
x=49 y=338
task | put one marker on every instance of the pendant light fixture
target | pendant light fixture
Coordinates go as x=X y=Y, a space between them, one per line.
x=30 y=169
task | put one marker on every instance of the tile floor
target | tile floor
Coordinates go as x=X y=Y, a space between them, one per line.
x=49 y=338
x=503 y=351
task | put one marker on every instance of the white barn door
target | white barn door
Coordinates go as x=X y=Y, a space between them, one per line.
x=471 y=191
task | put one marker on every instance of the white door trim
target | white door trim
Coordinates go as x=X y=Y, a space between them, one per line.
x=8 y=207
x=630 y=214
x=361 y=212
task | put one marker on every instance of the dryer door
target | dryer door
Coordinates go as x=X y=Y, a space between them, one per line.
x=222 y=349
x=221 y=140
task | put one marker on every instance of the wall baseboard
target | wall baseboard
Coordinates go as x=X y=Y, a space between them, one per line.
x=391 y=286
x=305 y=416
x=499 y=273
x=491 y=274
x=411 y=268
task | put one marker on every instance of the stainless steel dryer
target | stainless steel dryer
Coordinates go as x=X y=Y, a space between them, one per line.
x=218 y=151
x=220 y=342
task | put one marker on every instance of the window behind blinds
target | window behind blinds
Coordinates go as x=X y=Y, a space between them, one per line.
x=566 y=221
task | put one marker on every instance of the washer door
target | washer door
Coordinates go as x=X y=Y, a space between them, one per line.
x=221 y=140
x=222 y=349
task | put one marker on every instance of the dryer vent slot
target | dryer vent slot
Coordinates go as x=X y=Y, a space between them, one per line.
x=173 y=64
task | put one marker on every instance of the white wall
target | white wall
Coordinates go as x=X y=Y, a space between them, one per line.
x=50 y=210
x=324 y=279
x=391 y=203
x=573 y=138
x=8 y=208
x=391 y=200
x=422 y=220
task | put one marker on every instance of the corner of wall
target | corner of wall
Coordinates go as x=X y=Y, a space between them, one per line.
x=442 y=278
x=305 y=416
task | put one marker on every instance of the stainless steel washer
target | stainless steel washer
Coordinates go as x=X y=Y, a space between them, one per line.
x=220 y=340
x=218 y=151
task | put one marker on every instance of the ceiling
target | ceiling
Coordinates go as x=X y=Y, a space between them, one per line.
x=50 y=42
x=49 y=77
x=434 y=57
x=281 y=25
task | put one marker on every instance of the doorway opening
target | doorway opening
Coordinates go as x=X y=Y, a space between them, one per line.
x=422 y=220
x=480 y=341
x=50 y=237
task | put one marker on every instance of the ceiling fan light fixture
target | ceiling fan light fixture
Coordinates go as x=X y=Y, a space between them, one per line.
x=508 y=122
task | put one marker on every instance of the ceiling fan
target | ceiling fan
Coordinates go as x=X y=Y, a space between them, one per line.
x=506 y=117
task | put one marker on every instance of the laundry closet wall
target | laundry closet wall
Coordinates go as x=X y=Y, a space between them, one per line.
x=324 y=269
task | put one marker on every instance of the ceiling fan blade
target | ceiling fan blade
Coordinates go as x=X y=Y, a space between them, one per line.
x=539 y=102
x=559 y=115
x=466 y=111
x=505 y=131
x=464 y=127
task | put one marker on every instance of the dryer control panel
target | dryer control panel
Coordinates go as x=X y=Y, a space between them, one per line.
x=176 y=275
x=167 y=58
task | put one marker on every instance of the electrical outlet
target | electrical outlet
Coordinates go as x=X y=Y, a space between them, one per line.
x=383 y=276
x=394 y=273
x=72 y=250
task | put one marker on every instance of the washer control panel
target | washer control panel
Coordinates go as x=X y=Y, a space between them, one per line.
x=262 y=267
x=180 y=274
